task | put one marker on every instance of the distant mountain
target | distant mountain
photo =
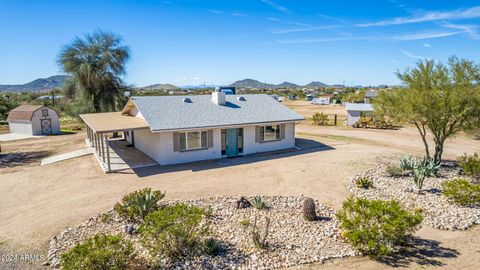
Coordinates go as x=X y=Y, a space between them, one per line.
x=287 y=85
x=160 y=86
x=315 y=84
x=250 y=83
x=38 y=85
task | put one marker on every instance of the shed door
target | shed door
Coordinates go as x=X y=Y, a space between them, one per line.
x=46 y=125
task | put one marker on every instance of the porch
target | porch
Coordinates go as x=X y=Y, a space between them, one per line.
x=110 y=148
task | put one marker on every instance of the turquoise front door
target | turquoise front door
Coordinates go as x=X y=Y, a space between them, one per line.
x=232 y=142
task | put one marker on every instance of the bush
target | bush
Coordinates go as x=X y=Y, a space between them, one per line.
x=470 y=165
x=375 y=227
x=258 y=202
x=99 y=252
x=174 y=232
x=137 y=205
x=364 y=182
x=212 y=247
x=394 y=171
x=420 y=167
x=462 y=192
x=245 y=223
x=320 y=119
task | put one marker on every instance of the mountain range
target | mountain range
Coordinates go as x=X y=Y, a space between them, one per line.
x=57 y=81
x=38 y=85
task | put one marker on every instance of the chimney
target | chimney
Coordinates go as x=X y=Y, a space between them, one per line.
x=218 y=97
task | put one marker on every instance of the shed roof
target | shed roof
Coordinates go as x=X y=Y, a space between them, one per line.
x=361 y=107
x=112 y=122
x=164 y=113
x=23 y=112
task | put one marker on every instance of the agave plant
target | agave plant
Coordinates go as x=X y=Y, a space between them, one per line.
x=138 y=204
x=420 y=167
x=258 y=202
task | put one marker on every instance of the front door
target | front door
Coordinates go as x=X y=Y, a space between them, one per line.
x=231 y=142
x=46 y=125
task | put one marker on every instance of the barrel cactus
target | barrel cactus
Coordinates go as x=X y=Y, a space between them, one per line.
x=309 y=209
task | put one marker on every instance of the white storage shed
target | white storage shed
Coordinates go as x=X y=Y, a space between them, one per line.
x=33 y=120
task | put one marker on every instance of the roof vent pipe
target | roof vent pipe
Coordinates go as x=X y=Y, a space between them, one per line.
x=218 y=98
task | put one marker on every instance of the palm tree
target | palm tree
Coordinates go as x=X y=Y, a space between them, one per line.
x=96 y=64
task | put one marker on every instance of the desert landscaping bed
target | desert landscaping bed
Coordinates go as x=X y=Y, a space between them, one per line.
x=437 y=210
x=291 y=239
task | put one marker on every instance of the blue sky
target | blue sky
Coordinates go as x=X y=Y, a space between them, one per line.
x=186 y=42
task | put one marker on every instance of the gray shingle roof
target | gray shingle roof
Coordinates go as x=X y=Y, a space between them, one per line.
x=170 y=112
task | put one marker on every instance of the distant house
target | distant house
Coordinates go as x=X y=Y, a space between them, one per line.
x=355 y=110
x=369 y=95
x=33 y=120
x=321 y=101
x=180 y=129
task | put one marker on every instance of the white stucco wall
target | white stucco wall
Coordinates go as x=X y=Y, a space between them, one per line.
x=252 y=147
x=159 y=146
x=352 y=117
x=20 y=127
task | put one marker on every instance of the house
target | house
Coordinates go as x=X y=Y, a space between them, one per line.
x=321 y=101
x=355 y=111
x=181 y=129
x=369 y=95
x=309 y=97
x=33 y=120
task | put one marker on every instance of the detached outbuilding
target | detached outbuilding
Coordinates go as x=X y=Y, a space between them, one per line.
x=33 y=120
x=356 y=110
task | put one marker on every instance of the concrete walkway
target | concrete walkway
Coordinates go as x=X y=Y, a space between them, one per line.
x=69 y=155
x=15 y=136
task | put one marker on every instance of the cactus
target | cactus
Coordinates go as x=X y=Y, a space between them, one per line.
x=309 y=209
x=260 y=240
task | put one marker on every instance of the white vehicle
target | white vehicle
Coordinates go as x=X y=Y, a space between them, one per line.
x=321 y=101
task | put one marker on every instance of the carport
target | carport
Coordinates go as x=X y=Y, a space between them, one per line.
x=112 y=152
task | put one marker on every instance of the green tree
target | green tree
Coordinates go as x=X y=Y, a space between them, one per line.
x=96 y=64
x=437 y=98
x=6 y=104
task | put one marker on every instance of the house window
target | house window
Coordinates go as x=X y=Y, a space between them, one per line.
x=270 y=133
x=193 y=140
x=44 y=112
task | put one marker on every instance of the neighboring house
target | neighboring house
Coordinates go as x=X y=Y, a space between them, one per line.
x=355 y=110
x=321 y=101
x=180 y=129
x=369 y=95
x=33 y=120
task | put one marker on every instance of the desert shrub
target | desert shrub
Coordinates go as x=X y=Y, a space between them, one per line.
x=245 y=223
x=212 y=247
x=364 y=182
x=394 y=171
x=106 y=218
x=99 y=252
x=308 y=209
x=420 y=167
x=470 y=165
x=137 y=205
x=174 y=232
x=462 y=192
x=320 y=119
x=260 y=238
x=407 y=163
x=258 y=202
x=376 y=227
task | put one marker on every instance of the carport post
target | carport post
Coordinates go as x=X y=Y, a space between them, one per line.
x=103 y=148
x=96 y=143
x=108 y=154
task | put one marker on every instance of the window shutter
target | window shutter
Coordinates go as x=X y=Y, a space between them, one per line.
x=257 y=134
x=210 y=138
x=282 y=131
x=176 y=142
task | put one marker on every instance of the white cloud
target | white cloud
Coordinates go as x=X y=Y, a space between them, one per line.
x=288 y=22
x=277 y=6
x=238 y=14
x=313 y=40
x=426 y=35
x=411 y=55
x=471 y=30
x=429 y=16
x=427 y=45
x=304 y=29
x=216 y=11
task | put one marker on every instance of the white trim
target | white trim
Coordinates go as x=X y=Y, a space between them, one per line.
x=186 y=140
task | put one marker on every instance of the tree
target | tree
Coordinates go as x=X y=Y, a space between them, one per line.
x=96 y=64
x=440 y=99
x=6 y=104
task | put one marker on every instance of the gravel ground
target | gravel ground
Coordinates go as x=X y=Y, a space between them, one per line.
x=291 y=240
x=438 y=212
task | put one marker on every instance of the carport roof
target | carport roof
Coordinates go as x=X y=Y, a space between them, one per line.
x=113 y=122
